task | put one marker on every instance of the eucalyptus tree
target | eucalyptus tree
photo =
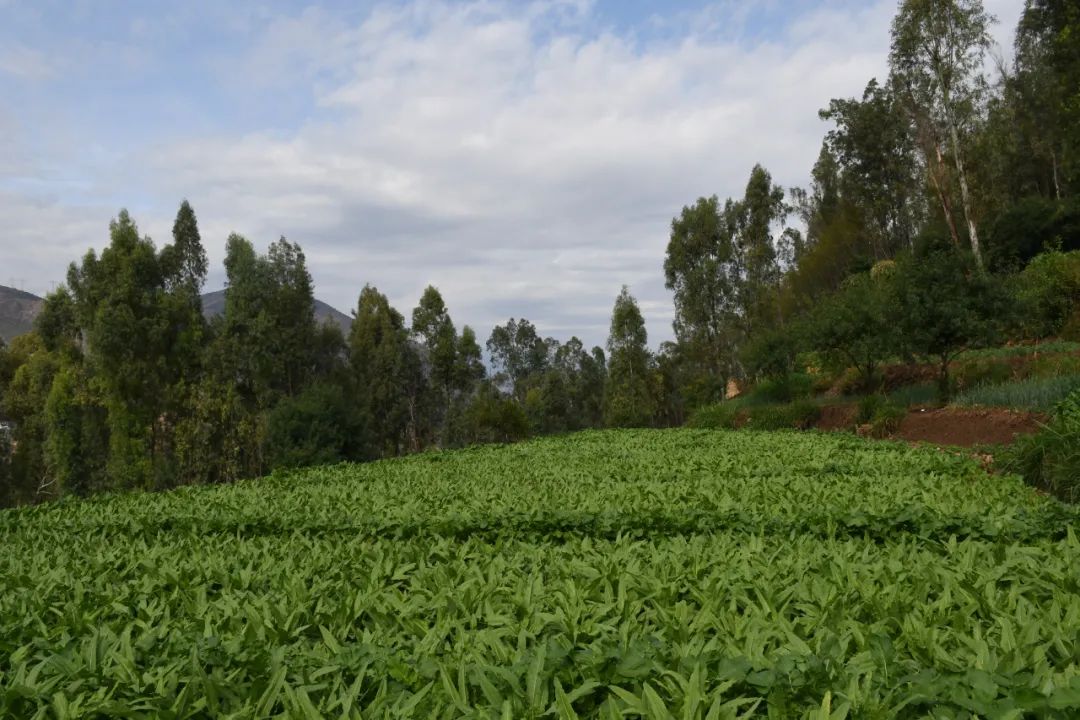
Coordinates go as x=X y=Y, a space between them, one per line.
x=937 y=56
x=628 y=400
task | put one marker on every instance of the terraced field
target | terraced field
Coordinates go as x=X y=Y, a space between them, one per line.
x=655 y=574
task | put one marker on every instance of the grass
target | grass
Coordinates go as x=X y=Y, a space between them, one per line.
x=1035 y=394
x=1005 y=351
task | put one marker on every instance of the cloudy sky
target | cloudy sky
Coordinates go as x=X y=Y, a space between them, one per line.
x=524 y=157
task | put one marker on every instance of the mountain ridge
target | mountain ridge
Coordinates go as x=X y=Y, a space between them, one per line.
x=19 y=308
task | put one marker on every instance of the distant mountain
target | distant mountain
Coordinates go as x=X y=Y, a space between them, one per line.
x=213 y=304
x=17 y=312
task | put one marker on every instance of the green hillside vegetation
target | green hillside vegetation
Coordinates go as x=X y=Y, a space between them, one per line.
x=645 y=573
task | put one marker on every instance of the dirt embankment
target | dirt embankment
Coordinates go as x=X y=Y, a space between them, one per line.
x=964 y=427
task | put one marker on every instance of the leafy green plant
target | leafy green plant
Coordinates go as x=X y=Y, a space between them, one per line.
x=1049 y=293
x=981 y=372
x=638 y=573
x=1050 y=460
x=721 y=416
x=799 y=415
x=783 y=389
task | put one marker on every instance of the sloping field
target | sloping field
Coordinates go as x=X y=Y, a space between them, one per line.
x=657 y=574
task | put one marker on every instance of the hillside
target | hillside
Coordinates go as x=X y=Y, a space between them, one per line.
x=640 y=573
x=17 y=312
x=214 y=304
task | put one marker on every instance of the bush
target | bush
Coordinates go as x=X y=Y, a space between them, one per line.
x=784 y=389
x=1030 y=227
x=982 y=371
x=799 y=415
x=1048 y=293
x=317 y=427
x=882 y=416
x=721 y=416
x=886 y=419
x=1050 y=460
x=492 y=417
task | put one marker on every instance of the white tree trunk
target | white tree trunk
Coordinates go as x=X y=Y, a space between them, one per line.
x=965 y=195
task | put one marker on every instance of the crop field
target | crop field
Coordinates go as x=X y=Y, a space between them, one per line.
x=655 y=574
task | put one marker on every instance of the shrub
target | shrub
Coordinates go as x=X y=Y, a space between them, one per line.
x=886 y=419
x=799 y=415
x=882 y=416
x=1048 y=293
x=786 y=388
x=869 y=405
x=721 y=416
x=1050 y=460
x=1028 y=228
x=981 y=371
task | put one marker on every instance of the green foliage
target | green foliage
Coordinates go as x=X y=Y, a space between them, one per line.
x=784 y=389
x=1032 y=226
x=317 y=427
x=979 y=372
x=879 y=170
x=721 y=416
x=492 y=417
x=517 y=352
x=882 y=414
x=1037 y=394
x=1050 y=460
x=856 y=322
x=771 y=353
x=653 y=574
x=917 y=394
x=944 y=306
x=798 y=415
x=387 y=376
x=628 y=400
x=1049 y=293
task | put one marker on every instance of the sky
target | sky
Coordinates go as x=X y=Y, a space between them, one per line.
x=525 y=157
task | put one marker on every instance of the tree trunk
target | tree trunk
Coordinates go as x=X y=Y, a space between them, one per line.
x=1054 y=166
x=965 y=195
x=936 y=178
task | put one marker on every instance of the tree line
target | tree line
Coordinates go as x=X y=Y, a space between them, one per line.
x=940 y=216
x=124 y=384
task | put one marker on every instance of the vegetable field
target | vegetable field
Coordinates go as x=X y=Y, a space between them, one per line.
x=655 y=574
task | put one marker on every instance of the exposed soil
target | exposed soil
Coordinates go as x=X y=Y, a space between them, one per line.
x=967 y=427
x=836 y=417
x=963 y=427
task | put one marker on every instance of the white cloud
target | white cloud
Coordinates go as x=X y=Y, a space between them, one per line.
x=25 y=63
x=512 y=155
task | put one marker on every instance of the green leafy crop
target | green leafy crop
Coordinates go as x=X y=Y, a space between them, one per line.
x=655 y=574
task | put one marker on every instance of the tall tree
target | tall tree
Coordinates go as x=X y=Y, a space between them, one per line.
x=937 y=56
x=877 y=171
x=518 y=353
x=628 y=401
x=387 y=375
x=760 y=212
x=702 y=268
x=432 y=326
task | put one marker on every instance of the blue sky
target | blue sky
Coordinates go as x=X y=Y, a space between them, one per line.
x=524 y=157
